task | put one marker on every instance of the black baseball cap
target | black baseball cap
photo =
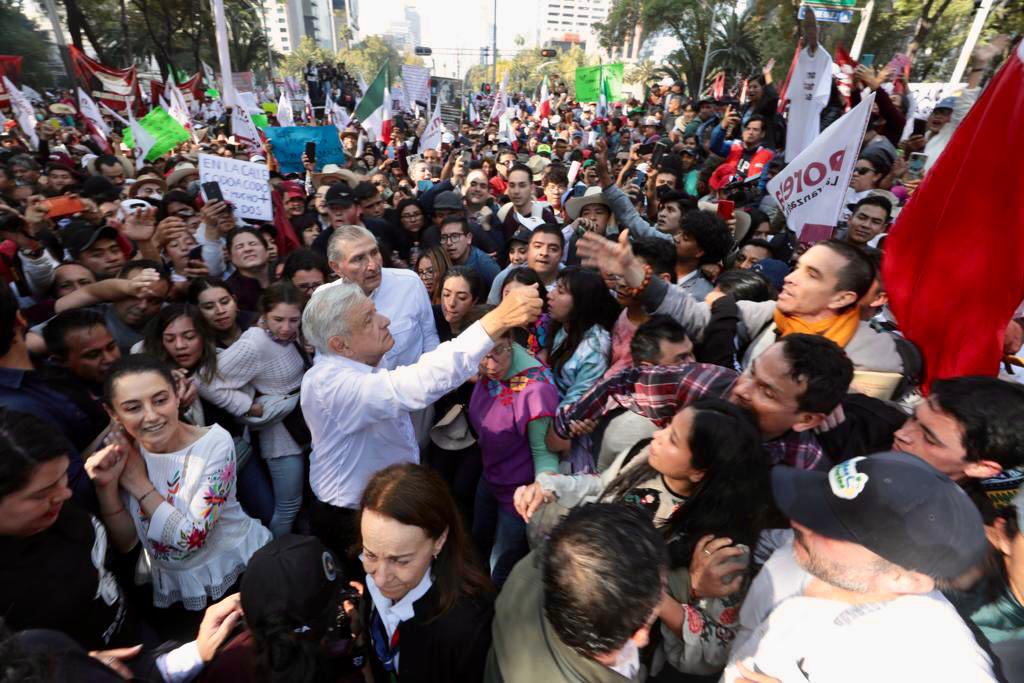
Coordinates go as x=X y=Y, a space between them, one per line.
x=293 y=576
x=79 y=235
x=521 y=235
x=895 y=505
x=340 y=194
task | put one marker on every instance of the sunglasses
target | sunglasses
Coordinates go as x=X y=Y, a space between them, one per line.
x=861 y=170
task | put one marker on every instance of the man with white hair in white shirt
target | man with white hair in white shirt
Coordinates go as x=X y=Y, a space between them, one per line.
x=399 y=294
x=358 y=410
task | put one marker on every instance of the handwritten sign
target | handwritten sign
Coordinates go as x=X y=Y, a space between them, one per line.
x=290 y=144
x=244 y=184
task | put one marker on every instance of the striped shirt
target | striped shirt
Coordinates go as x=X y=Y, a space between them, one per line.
x=659 y=392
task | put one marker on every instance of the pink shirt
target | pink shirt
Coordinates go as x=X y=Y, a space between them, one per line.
x=622 y=337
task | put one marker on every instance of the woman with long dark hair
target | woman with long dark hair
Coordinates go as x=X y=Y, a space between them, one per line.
x=702 y=480
x=426 y=607
x=583 y=312
x=220 y=309
x=259 y=377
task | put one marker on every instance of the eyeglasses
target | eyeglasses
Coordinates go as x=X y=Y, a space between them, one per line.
x=861 y=170
x=427 y=272
x=498 y=352
x=451 y=237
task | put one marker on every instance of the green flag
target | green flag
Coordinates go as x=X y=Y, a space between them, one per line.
x=168 y=133
x=260 y=120
x=588 y=82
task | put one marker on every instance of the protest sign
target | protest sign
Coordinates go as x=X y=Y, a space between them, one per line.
x=588 y=82
x=812 y=187
x=416 y=85
x=167 y=132
x=927 y=95
x=244 y=184
x=290 y=143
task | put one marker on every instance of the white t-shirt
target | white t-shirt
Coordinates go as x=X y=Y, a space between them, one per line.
x=808 y=94
x=798 y=639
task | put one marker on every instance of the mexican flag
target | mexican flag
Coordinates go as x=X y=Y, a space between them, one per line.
x=374 y=110
x=604 y=97
x=544 y=110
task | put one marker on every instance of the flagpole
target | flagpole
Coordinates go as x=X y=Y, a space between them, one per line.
x=972 y=38
x=62 y=43
x=224 y=56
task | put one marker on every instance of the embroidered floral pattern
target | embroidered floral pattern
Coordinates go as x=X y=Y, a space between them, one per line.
x=182 y=536
x=504 y=390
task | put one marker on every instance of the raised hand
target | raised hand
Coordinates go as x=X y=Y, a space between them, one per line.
x=140 y=225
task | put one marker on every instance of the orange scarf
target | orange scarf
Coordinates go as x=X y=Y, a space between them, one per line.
x=839 y=329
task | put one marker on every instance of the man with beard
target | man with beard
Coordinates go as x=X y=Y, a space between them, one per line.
x=853 y=595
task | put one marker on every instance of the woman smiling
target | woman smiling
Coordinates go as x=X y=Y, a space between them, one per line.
x=172 y=486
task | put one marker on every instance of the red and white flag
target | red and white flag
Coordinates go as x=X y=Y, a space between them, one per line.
x=954 y=260
x=117 y=88
x=544 y=109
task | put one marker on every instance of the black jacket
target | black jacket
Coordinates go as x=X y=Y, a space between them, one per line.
x=450 y=647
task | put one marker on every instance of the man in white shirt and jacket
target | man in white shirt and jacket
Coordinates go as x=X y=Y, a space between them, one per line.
x=358 y=410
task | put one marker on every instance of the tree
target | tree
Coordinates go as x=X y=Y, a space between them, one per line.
x=690 y=22
x=735 y=47
x=527 y=69
x=368 y=56
x=20 y=36
x=293 y=64
x=642 y=73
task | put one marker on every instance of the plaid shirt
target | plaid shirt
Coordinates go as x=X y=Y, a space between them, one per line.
x=658 y=393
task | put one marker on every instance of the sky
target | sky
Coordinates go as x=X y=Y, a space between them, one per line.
x=449 y=24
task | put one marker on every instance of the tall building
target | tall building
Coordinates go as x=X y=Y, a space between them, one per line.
x=564 y=23
x=288 y=21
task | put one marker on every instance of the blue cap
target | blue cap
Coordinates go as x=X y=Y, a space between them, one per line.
x=946 y=103
x=774 y=270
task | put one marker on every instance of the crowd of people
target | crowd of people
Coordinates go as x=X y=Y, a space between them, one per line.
x=561 y=399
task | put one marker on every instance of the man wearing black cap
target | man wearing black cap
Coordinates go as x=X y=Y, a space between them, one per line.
x=344 y=207
x=95 y=247
x=852 y=595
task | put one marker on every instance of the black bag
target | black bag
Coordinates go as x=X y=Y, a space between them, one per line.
x=295 y=423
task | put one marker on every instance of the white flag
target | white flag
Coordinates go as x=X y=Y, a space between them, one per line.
x=284 y=112
x=242 y=126
x=500 y=101
x=31 y=94
x=431 y=138
x=211 y=80
x=143 y=141
x=471 y=114
x=415 y=85
x=339 y=117
x=811 y=189
x=92 y=112
x=23 y=112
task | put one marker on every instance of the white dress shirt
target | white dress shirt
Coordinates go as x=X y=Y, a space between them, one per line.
x=392 y=614
x=359 y=415
x=402 y=297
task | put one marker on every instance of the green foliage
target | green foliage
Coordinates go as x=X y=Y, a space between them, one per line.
x=20 y=36
x=307 y=51
x=527 y=69
x=368 y=56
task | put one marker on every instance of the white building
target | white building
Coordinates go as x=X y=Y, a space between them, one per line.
x=289 y=21
x=570 y=22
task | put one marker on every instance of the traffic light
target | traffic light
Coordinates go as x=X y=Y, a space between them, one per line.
x=547 y=52
x=423 y=51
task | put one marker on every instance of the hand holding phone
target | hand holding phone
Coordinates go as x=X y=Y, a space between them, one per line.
x=311 y=152
x=212 y=191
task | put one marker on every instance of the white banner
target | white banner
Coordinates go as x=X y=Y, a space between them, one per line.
x=431 y=138
x=927 y=95
x=812 y=187
x=415 y=85
x=244 y=184
x=284 y=112
x=92 y=112
x=243 y=128
x=23 y=112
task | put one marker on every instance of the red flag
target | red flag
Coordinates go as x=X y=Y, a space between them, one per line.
x=116 y=88
x=286 y=239
x=846 y=65
x=10 y=66
x=954 y=262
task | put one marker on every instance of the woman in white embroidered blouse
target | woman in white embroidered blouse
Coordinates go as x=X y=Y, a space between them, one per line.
x=172 y=486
